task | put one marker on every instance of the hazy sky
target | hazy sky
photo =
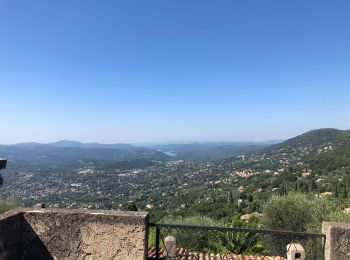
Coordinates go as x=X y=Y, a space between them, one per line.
x=171 y=70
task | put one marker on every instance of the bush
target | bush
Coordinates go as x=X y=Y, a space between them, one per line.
x=240 y=242
x=7 y=204
x=333 y=216
x=211 y=241
x=297 y=212
x=194 y=240
x=291 y=212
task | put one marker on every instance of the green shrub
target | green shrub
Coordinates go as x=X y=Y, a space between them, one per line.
x=7 y=204
x=240 y=242
x=193 y=240
x=291 y=212
x=334 y=216
x=297 y=212
x=211 y=241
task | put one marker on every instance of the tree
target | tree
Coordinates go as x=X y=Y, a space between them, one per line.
x=336 y=192
x=250 y=198
x=305 y=188
x=282 y=190
x=132 y=207
x=345 y=193
x=230 y=197
x=313 y=185
x=243 y=196
x=296 y=212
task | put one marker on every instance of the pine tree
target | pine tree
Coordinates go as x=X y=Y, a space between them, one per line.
x=313 y=185
x=345 y=193
x=230 y=197
x=250 y=198
x=336 y=191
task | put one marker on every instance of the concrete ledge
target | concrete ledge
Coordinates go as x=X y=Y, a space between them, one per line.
x=73 y=234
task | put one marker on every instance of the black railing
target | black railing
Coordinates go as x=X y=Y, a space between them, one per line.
x=2 y=163
x=241 y=241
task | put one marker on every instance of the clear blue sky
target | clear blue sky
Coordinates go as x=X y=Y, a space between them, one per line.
x=149 y=71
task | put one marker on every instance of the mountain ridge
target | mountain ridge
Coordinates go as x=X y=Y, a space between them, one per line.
x=65 y=149
x=314 y=142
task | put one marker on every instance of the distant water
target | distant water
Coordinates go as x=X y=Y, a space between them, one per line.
x=170 y=153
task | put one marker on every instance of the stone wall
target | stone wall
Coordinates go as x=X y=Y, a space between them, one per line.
x=337 y=245
x=10 y=239
x=81 y=234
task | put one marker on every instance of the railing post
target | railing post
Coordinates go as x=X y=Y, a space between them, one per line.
x=314 y=248
x=157 y=242
x=170 y=247
x=295 y=251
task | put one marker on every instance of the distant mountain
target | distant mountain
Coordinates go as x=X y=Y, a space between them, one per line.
x=57 y=153
x=211 y=151
x=271 y=142
x=67 y=151
x=75 y=144
x=306 y=145
x=323 y=151
x=319 y=137
x=314 y=143
x=66 y=143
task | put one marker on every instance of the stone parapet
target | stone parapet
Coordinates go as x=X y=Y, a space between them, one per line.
x=46 y=233
x=337 y=246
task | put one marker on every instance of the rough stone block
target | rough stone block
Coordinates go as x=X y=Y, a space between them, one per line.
x=73 y=234
x=337 y=240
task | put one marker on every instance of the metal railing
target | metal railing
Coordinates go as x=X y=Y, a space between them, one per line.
x=188 y=235
x=3 y=163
